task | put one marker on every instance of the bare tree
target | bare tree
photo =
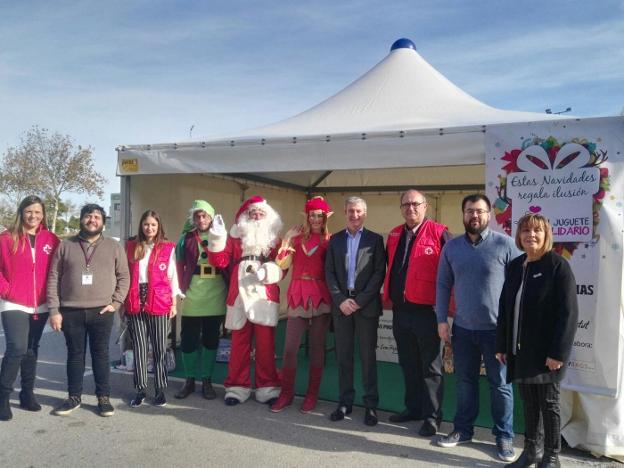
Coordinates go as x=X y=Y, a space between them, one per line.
x=49 y=165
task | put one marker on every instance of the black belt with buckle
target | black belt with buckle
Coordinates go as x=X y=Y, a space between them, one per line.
x=252 y=258
x=351 y=292
x=206 y=271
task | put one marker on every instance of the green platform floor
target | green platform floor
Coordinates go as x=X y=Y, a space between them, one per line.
x=390 y=381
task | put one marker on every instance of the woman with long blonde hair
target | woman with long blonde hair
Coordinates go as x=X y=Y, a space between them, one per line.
x=303 y=249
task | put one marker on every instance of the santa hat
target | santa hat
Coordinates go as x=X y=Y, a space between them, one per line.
x=253 y=202
x=256 y=202
x=317 y=203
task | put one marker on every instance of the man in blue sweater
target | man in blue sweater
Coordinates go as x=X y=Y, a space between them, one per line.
x=473 y=266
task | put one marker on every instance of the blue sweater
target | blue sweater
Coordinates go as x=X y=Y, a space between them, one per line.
x=477 y=273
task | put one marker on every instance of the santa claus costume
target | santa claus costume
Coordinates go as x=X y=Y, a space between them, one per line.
x=253 y=297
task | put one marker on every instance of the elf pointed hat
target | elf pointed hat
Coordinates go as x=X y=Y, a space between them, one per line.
x=318 y=203
x=198 y=205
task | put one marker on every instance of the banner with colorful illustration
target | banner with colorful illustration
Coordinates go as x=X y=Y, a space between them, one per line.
x=572 y=171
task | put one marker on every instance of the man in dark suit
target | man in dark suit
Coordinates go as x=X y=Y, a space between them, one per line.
x=354 y=269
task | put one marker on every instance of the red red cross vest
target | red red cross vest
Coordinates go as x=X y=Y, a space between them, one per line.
x=159 y=300
x=422 y=269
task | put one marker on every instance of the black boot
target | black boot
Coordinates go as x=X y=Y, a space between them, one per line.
x=5 y=409
x=8 y=373
x=28 y=369
x=28 y=401
x=550 y=460
x=531 y=455
x=187 y=389
x=207 y=391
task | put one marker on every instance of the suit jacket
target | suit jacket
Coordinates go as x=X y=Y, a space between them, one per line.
x=370 y=271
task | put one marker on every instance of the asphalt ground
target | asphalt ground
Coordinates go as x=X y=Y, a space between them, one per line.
x=198 y=432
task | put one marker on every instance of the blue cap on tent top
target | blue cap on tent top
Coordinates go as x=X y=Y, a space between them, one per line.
x=403 y=43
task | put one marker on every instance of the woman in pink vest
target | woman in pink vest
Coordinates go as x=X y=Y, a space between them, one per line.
x=308 y=301
x=150 y=302
x=26 y=250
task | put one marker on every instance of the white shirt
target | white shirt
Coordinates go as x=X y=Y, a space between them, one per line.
x=172 y=272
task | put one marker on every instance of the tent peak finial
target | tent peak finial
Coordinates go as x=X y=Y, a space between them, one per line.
x=403 y=43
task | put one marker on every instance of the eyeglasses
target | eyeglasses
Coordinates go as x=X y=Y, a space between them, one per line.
x=471 y=212
x=414 y=205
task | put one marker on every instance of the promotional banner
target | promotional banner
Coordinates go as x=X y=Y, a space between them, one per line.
x=386 y=346
x=571 y=171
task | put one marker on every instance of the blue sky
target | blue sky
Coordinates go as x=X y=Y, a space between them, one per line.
x=129 y=72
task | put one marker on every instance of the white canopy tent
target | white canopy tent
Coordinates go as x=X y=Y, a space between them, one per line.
x=400 y=114
x=400 y=125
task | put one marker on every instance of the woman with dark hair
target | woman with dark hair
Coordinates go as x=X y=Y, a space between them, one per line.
x=303 y=248
x=535 y=330
x=150 y=302
x=26 y=250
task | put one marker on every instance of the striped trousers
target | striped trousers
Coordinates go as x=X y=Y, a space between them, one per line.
x=148 y=329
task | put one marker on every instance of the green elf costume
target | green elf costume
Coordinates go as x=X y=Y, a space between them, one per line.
x=203 y=307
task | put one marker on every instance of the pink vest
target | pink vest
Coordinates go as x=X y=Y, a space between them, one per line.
x=159 y=300
x=21 y=281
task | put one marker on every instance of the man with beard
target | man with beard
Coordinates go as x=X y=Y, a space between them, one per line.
x=87 y=283
x=253 y=297
x=473 y=266
x=413 y=254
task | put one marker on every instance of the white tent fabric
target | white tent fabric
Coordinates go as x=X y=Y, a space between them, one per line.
x=402 y=113
x=402 y=92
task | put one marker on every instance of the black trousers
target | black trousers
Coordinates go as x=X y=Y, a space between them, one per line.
x=200 y=329
x=22 y=332
x=542 y=418
x=78 y=325
x=347 y=329
x=415 y=330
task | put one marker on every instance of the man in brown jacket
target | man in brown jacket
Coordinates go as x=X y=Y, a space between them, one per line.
x=87 y=283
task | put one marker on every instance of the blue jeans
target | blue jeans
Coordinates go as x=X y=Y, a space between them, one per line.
x=468 y=347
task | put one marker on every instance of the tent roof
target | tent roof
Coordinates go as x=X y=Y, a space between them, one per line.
x=402 y=92
x=401 y=114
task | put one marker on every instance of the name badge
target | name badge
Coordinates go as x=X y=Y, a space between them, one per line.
x=87 y=278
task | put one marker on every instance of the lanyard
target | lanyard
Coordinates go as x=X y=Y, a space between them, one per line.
x=87 y=258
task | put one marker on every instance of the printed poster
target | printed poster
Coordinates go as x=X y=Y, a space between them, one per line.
x=572 y=172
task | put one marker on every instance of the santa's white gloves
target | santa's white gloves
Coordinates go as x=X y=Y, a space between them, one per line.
x=217 y=235
x=269 y=273
x=218 y=226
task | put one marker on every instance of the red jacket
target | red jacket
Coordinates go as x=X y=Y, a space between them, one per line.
x=422 y=267
x=22 y=280
x=159 y=295
x=230 y=256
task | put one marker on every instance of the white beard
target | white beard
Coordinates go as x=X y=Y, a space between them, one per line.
x=257 y=237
